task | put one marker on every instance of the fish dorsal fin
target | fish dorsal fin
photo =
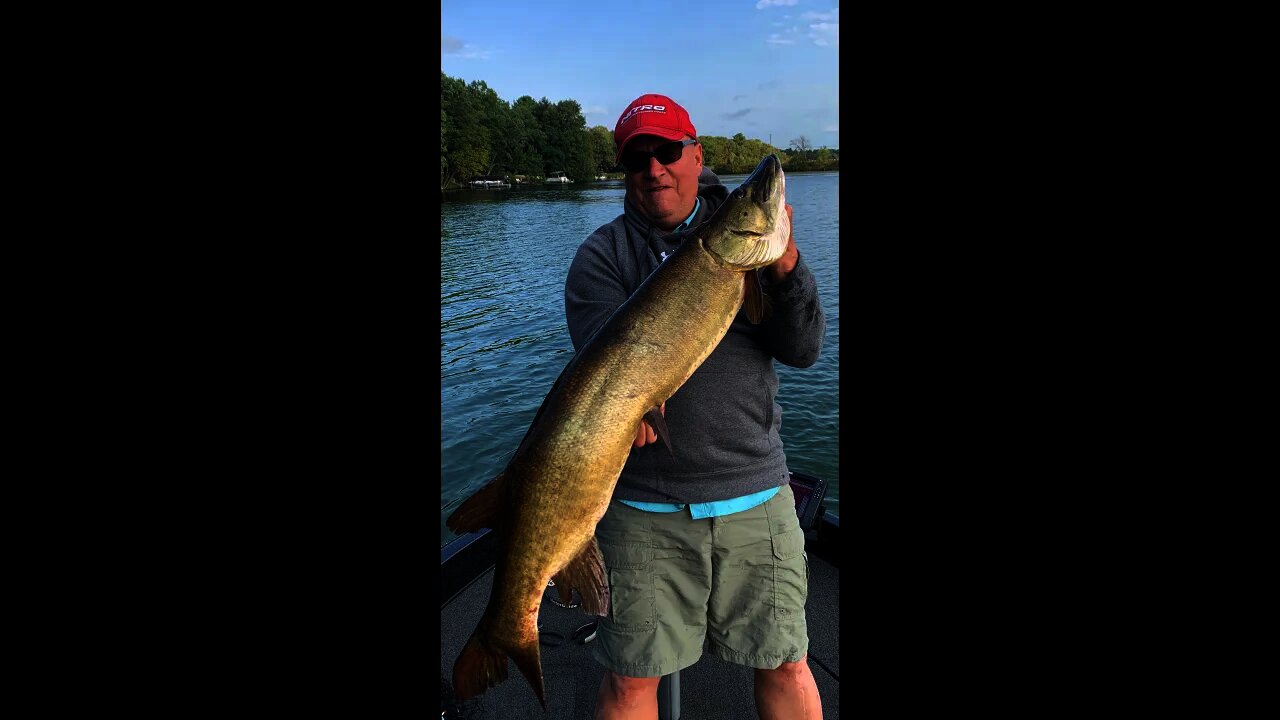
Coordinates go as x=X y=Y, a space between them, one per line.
x=585 y=573
x=480 y=510
x=753 y=298
x=659 y=425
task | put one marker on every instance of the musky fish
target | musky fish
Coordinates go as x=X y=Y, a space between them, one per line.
x=545 y=505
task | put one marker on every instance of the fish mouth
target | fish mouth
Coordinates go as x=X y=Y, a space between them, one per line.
x=765 y=180
x=751 y=228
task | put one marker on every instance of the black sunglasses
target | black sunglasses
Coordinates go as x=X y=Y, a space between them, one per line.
x=667 y=153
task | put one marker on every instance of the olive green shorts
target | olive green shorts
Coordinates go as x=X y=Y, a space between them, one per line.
x=736 y=583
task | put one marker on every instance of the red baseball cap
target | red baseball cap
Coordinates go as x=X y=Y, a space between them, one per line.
x=652 y=115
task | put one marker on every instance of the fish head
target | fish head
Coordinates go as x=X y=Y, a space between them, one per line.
x=750 y=230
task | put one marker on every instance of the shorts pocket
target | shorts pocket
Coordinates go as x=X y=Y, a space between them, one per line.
x=632 y=602
x=790 y=576
x=788 y=544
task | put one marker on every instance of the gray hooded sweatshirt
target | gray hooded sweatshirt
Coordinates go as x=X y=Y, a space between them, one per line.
x=723 y=421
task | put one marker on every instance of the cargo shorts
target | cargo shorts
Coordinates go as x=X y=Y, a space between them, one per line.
x=735 y=584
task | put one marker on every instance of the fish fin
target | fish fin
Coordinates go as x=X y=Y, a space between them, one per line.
x=528 y=658
x=478 y=668
x=753 y=298
x=480 y=510
x=585 y=573
x=659 y=424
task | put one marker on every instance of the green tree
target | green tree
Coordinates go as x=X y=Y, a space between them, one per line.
x=481 y=134
x=565 y=147
x=551 y=147
x=467 y=133
x=737 y=154
x=494 y=117
x=600 y=149
x=715 y=153
x=576 y=143
x=528 y=138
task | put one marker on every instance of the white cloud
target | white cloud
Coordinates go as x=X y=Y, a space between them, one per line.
x=824 y=27
x=789 y=36
x=831 y=128
x=450 y=45
x=774 y=3
x=594 y=110
x=834 y=15
x=825 y=34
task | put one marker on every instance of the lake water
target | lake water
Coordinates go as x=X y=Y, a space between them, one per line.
x=504 y=255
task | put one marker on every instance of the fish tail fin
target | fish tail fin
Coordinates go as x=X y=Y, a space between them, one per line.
x=529 y=659
x=478 y=668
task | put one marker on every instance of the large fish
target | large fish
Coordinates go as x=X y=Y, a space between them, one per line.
x=546 y=503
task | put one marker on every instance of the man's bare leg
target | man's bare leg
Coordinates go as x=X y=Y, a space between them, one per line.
x=787 y=692
x=629 y=698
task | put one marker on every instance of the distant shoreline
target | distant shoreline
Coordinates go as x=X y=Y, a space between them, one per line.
x=789 y=172
x=456 y=186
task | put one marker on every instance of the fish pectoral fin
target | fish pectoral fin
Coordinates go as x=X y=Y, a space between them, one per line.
x=585 y=573
x=480 y=510
x=659 y=424
x=754 y=300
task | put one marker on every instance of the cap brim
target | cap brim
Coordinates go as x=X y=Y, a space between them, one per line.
x=662 y=132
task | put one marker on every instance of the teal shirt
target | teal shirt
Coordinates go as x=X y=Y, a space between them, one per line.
x=709 y=509
x=697 y=204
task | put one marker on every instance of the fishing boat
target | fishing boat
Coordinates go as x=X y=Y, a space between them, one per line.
x=710 y=689
x=558 y=177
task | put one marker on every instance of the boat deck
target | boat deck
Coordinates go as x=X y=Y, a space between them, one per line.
x=710 y=689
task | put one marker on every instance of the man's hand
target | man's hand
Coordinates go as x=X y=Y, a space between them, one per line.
x=645 y=434
x=783 y=266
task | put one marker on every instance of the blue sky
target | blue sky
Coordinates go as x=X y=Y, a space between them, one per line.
x=758 y=67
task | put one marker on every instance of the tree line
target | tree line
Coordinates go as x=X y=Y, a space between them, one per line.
x=481 y=135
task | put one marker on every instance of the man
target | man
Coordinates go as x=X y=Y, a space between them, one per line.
x=701 y=543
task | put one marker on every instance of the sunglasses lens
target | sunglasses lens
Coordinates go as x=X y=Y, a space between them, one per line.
x=669 y=153
x=637 y=160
